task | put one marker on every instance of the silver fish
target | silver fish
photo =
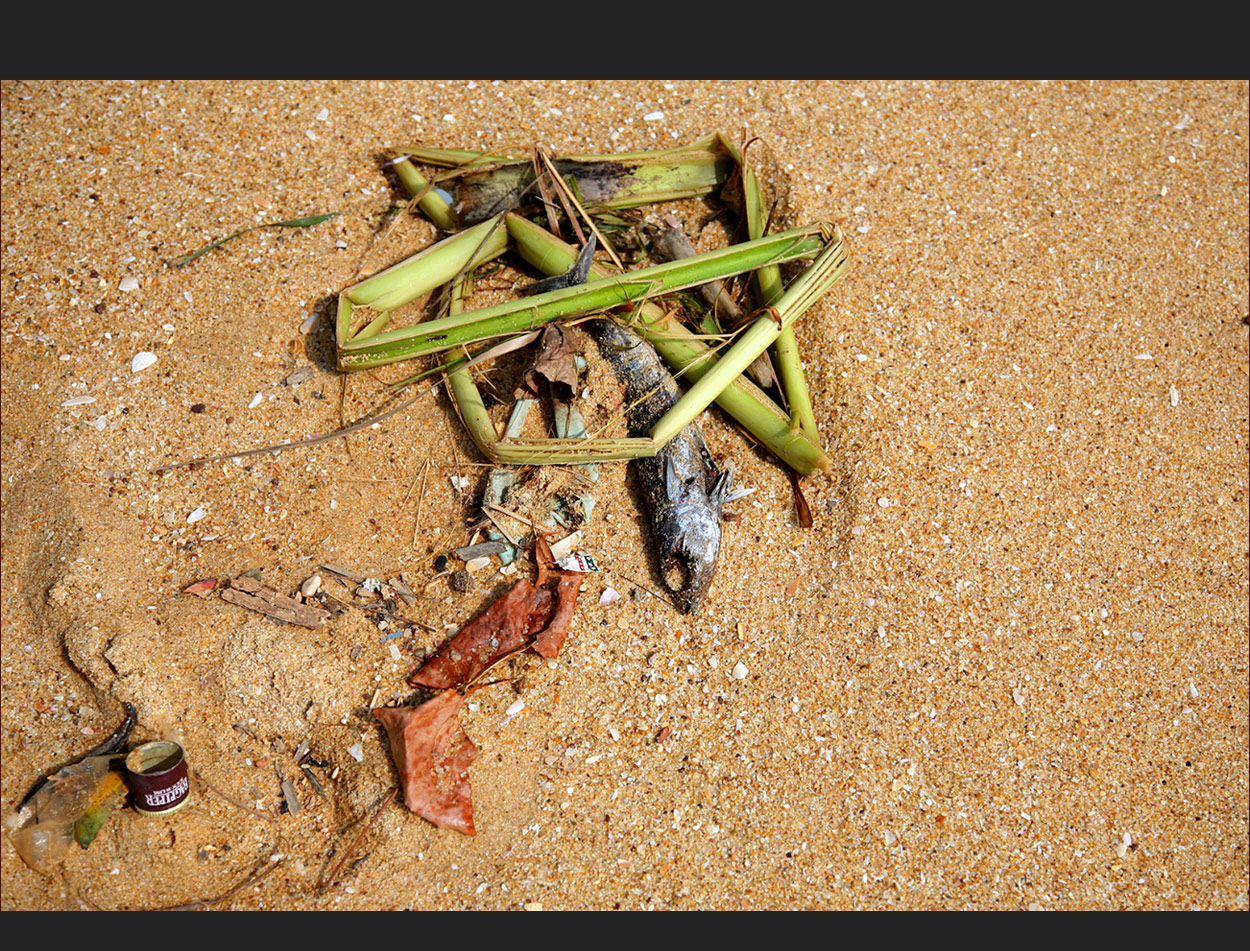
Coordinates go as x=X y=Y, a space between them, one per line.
x=684 y=488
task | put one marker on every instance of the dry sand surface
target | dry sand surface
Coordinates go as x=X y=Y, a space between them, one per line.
x=1006 y=668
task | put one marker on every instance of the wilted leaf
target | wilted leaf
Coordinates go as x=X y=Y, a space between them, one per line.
x=507 y=626
x=555 y=363
x=550 y=639
x=307 y=222
x=433 y=753
x=526 y=615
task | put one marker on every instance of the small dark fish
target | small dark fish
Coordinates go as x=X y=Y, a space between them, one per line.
x=684 y=488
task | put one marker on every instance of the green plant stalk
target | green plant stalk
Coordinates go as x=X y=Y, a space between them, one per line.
x=522 y=452
x=465 y=393
x=623 y=180
x=413 y=277
x=715 y=144
x=687 y=355
x=430 y=202
x=826 y=270
x=455 y=158
x=428 y=269
x=464 y=329
x=769 y=287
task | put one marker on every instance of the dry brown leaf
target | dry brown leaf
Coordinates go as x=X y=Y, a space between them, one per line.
x=556 y=349
x=526 y=615
x=551 y=638
x=507 y=626
x=433 y=753
x=800 y=503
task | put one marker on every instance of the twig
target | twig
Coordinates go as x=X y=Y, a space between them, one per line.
x=654 y=594
x=355 y=427
x=503 y=531
x=539 y=176
x=326 y=885
x=562 y=194
x=208 y=902
x=234 y=802
x=564 y=189
x=425 y=474
x=512 y=514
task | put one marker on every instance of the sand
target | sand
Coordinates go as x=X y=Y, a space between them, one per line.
x=1005 y=669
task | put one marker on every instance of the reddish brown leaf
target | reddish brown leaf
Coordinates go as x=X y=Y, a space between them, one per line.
x=800 y=503
x=433 y=753
x=550 y=639
x=504 y=628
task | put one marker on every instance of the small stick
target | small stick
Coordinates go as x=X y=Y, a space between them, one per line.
x=548 y=206
x=511 y=514
x=564 y=190
x=234 y=802
x=560 y=193
x=355 y=427
x=323 y=888
x=503 y=531
x=208 y=902
x=654 y=594
x=425 y=474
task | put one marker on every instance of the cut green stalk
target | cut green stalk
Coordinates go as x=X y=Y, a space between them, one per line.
x=604 y=181
x=428 y=269
x=769 y=288
x=410 y=278
x=428 y=200
x=687 y=355
x=419 y=274
x=824 y=273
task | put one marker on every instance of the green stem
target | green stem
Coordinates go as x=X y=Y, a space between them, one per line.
x=457 y=330
x=689 y=356
x=430 y=201
x=769 y=288
x=826 y=271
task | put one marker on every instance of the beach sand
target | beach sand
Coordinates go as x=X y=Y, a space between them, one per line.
x=1005 y=669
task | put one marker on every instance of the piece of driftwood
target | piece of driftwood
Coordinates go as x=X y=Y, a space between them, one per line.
x=251 y=594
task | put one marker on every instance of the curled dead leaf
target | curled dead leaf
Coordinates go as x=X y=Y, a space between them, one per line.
x=433 y=754
x=555 y=363
x=507 y=626
x=525 y=616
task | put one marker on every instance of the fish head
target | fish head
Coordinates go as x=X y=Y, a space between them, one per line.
x=689 y=534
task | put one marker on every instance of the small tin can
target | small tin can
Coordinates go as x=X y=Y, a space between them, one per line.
x=157 y=776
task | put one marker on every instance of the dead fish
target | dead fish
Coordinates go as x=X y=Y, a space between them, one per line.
x=684 y=488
